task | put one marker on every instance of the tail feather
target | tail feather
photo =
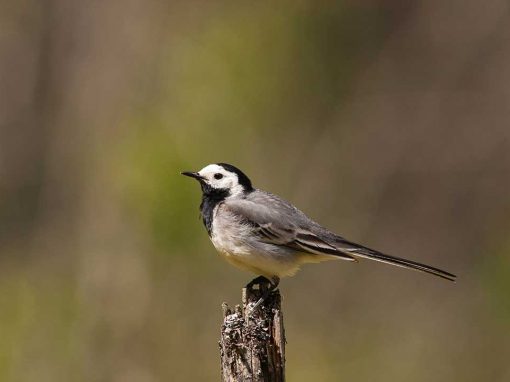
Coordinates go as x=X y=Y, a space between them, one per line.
x=364 y=252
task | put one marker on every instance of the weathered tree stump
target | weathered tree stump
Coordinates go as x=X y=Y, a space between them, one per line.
x=252 y=344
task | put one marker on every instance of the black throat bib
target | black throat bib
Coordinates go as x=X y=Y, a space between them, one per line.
x=210 y=199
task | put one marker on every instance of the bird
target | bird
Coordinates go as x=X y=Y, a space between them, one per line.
x=260 y=232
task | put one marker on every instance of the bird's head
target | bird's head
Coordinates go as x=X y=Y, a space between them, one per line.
x=222 y=178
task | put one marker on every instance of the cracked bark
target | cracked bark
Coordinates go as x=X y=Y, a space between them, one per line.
x=252 y=346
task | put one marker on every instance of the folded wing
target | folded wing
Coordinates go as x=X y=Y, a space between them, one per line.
x=277 y=227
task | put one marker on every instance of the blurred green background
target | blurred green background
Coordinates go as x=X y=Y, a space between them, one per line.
x=387 y=121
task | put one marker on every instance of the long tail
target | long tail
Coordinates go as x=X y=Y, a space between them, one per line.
x=361 y=251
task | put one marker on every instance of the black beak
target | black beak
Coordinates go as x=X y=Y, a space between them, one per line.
x=191 y=174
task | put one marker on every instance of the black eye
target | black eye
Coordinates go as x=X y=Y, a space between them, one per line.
x=218 y=176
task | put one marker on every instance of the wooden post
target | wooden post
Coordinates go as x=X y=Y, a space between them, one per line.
x=252 y=345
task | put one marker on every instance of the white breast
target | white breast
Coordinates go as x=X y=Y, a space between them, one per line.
x=229 y=235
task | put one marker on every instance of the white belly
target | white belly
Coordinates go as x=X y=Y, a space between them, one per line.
x=236 y=244
x=241 y=247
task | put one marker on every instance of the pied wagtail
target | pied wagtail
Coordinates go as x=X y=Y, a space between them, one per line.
x=259 y=232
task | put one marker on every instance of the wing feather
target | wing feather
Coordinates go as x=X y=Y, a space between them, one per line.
x=276 y=228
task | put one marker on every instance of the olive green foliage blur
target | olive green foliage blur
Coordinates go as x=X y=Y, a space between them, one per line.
x=386 y=121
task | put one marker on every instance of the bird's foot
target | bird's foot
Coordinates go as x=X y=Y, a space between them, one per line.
x=266 y=286
x=261 y=281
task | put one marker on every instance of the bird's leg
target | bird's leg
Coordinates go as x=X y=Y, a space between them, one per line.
x=271 y=286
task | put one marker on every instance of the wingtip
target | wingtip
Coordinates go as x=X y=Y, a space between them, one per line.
x=445 y=275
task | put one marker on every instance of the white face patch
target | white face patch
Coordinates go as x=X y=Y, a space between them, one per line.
x=219 y=178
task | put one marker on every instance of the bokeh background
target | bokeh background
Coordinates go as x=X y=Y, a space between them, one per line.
x=387 y=121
